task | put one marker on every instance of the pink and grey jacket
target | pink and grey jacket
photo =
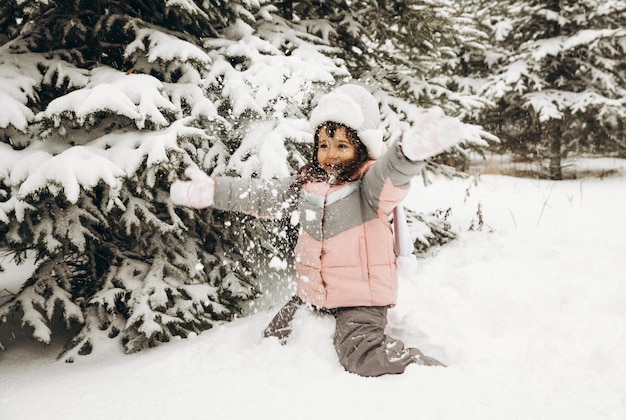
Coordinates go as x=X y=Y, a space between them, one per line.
x=345 y=251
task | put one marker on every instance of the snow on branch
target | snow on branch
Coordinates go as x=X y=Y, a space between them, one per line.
x=128 y=151
x=62 y=302
x=67 y=172
x=107 y=159
x=255 y=76
x=322 y=27
x=188 y=6
x=191 y=95
x=591 y=36
x=21 y=78
x=61 y=72
x=73 y=223
x=557 y=45
x=13 y=205
x=143 y=316
x=550 y=104
x=17 y=87
x=42 y=297
x=31 y=304
x=545 y=105
x=546 y=47
x=167 y=48
x=135 y=96
x=262 y=151
x=13 y=112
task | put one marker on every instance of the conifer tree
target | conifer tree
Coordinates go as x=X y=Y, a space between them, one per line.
x=555 y=72
x=109 y=102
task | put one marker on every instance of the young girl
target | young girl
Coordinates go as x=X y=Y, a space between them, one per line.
x=345 y=258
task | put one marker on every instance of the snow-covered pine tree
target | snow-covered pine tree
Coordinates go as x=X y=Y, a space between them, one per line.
x=104 y=104
x=557 y=77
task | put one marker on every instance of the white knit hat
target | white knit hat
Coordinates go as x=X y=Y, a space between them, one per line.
x=355 y=107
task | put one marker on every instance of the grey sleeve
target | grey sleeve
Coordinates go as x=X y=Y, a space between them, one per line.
x=392 y=166
x=274 y=198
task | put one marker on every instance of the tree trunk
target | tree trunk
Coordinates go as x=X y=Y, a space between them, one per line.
x=621 y=138
x=554 y=137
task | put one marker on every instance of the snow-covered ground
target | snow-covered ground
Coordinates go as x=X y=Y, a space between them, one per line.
x=528 y=313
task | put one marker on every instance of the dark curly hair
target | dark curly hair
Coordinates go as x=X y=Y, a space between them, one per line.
x=313 y=172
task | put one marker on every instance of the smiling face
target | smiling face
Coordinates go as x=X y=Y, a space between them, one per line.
x=336 y=152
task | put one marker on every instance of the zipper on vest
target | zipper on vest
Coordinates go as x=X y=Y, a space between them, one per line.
x=322 y=219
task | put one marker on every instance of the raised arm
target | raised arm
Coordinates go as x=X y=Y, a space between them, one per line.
x=387 y=183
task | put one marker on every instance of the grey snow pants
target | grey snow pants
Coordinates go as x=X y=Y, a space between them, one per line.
x=360 y=341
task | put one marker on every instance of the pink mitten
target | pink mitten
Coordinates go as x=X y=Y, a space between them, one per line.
x=197 y=193
x=432 y=134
